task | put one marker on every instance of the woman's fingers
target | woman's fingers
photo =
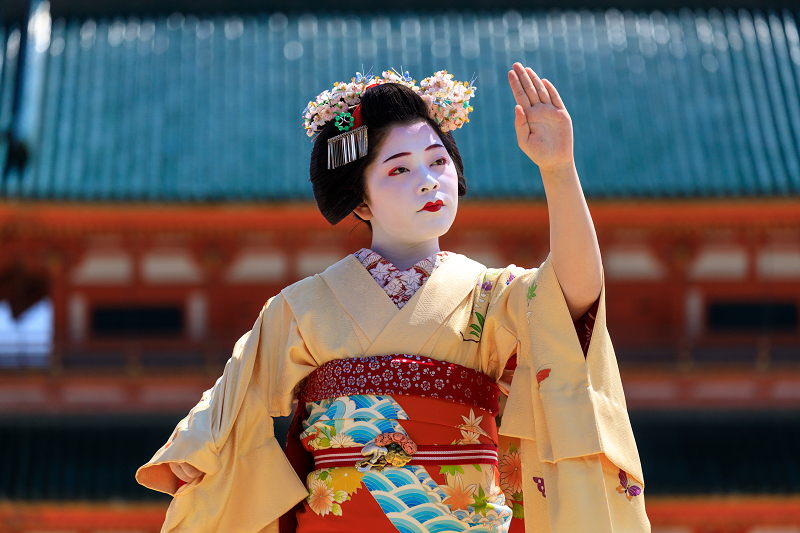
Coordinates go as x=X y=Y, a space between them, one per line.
x=516 y=88
x=541 y=91
x=551 y=89
x=178 y=471
x=530 y=90
x=527 y=83
x=185 y=471
x=190 y=470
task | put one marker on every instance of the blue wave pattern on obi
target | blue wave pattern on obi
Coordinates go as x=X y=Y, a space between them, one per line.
x=408 y=495
x=351 y=420
x=413 y=502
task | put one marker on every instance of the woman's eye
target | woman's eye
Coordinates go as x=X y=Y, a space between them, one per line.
x=440 y=161
x=398 y=170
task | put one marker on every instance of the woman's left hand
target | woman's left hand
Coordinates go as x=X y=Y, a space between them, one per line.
x=544 y=128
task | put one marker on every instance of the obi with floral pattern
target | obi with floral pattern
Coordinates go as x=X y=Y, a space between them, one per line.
x=441 y=412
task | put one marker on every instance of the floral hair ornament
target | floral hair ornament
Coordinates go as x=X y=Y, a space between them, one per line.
x=447 y=101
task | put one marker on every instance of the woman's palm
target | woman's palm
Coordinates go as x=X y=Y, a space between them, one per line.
x=541 y=121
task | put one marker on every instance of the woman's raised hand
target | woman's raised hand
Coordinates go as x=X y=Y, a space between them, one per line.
x=544 y=128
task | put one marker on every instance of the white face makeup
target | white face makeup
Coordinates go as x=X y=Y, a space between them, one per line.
x=413 y=169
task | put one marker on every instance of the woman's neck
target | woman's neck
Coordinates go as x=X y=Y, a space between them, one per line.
x=404 y=256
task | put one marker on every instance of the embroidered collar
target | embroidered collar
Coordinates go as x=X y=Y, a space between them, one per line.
x=400 y=285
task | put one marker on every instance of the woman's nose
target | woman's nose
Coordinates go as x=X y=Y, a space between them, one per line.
x=430 y=183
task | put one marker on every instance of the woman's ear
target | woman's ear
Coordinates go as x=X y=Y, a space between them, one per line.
x=363 y=211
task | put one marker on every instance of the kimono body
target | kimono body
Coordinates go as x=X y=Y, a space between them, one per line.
x=580 y=466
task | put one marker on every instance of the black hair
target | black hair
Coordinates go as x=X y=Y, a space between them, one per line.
x=340 y=190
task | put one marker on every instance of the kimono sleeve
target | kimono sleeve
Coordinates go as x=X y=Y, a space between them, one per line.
x=247 y=483
x=581 y=469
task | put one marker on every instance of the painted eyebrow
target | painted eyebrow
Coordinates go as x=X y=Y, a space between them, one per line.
x=401 y=154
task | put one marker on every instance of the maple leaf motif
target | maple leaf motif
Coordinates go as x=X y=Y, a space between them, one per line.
x=479 y=504
x=472 y=424
x=469 y=437
x=458 y=496
x=451 y=469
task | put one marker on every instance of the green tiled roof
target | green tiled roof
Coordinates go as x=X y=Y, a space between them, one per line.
x=664 y=104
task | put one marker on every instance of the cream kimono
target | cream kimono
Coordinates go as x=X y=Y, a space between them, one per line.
x=581 y=469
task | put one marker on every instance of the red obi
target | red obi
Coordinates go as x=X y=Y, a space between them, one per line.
x=422 y=390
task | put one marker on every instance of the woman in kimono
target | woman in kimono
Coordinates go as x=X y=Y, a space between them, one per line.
x=400 y=356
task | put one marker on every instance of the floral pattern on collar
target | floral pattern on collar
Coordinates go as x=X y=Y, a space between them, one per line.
x=400 y=285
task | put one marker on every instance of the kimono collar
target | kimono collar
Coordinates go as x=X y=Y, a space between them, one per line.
x=399 y=285
x=390 y=329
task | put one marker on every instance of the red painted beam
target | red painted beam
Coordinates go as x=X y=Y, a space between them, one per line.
x=68 y=218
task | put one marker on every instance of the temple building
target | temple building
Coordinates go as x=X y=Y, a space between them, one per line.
x=154 y=194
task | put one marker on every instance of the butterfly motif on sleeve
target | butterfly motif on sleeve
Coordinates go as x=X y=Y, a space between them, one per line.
x=629 y=490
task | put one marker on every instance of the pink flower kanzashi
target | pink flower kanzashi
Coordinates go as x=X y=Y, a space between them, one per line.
x=447 y=100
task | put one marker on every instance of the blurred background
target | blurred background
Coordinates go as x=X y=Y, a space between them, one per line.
x=154 y=194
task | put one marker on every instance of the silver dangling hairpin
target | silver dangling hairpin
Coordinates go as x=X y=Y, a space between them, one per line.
x=347 y=147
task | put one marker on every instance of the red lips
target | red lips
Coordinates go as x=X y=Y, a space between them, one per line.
x=433 y=206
